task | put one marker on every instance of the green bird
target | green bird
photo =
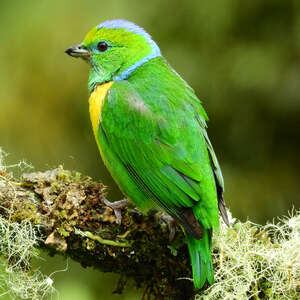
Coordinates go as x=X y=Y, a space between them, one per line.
x=150 y=128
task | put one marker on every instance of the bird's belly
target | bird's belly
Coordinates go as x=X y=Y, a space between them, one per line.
x=114 y=166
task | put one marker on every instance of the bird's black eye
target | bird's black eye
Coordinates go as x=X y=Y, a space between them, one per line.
x=102 y=46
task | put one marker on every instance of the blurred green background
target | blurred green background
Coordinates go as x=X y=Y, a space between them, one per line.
x=241 y=57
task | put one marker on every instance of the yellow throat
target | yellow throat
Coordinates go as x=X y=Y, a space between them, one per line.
x=96 y=102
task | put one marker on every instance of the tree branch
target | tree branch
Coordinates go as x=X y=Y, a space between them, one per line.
x=61 y=211
x=72 y=221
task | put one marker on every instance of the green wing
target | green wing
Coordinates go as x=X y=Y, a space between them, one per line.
x=153 y=127
x=218 y=178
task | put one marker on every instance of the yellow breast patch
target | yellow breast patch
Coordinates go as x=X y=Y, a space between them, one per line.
x=96 y=102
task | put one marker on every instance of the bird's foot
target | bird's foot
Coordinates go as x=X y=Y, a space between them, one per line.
x=171 y=222
x=116 y=207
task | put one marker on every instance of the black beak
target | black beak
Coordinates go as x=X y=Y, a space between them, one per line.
x=78 y=51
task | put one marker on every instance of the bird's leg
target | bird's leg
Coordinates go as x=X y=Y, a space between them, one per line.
x=171 y=222
x=116 y=207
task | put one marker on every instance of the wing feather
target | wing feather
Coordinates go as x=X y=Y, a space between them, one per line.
x=158 y=134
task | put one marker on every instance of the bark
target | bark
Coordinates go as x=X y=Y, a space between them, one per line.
x=62 y=212
x=72 y=220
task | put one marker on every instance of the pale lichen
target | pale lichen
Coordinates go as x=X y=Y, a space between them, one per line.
x=256 y=262
x=18 y=244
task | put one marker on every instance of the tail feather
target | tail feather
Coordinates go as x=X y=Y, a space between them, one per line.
x=200 y=254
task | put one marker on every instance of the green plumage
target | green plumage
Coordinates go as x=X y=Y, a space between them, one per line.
x=154 y=143
x=152 y=130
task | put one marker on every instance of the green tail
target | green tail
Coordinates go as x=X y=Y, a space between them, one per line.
x=200 y=254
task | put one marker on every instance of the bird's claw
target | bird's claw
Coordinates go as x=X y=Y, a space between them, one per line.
x=116 y=207
x=172 y=223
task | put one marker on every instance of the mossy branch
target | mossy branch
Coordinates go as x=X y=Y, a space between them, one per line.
x=61 y=211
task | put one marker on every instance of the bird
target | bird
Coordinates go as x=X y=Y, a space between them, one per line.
x=150 y=128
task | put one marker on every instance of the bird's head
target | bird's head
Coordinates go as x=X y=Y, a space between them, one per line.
x=114 y=49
